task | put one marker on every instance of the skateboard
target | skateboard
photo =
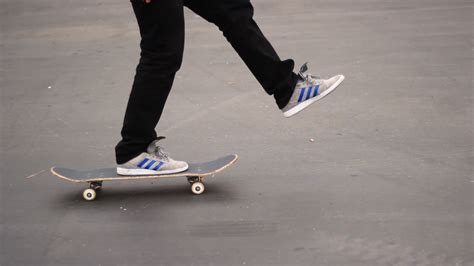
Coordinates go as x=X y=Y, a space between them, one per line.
x=195 y=175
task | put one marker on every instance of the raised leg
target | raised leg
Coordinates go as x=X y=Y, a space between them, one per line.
x=235 y=19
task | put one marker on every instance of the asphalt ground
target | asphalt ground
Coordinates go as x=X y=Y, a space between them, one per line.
x=378 y=173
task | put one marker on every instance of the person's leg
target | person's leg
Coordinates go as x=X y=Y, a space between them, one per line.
x=235 y=19
x=161 y=26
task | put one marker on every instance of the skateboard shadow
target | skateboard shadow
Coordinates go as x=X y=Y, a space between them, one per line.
x=139 y=193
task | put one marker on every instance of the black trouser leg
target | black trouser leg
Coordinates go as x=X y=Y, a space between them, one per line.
x=235 y=19
x=161 y=26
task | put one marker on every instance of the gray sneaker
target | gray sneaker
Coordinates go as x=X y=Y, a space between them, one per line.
x=153 y=162
x=309 y=89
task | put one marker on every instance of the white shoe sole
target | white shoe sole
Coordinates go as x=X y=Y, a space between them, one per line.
x=139 y=171
x=307 y=103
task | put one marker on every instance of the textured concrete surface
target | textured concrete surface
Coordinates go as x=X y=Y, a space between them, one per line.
x=388 y=179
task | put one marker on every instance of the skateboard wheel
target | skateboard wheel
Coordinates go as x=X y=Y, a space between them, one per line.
x=197 y=188
x=89 y=194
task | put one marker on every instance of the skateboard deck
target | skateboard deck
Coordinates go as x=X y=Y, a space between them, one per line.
x=195 y=174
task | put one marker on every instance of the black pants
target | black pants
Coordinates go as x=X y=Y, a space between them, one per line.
x=161 y=26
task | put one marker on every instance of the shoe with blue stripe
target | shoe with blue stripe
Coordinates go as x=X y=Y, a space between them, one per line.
x=309 y=89
x=153 y=162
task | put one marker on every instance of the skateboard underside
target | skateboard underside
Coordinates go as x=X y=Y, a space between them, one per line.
x=195 y=175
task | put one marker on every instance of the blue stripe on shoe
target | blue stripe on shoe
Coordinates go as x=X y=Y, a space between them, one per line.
x=158 y=166
x=301 y=94
x=150 y=164
x=142 y=162
x=309 y=93
x=316 y=90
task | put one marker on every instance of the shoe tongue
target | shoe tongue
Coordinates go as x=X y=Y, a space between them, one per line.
x=302 y=74
x=153 y=146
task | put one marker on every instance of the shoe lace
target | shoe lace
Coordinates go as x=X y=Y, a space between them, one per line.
x=160 y=153
x=312 y=79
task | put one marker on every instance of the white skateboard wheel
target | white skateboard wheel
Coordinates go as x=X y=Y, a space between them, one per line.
x=197 y=188
x=89 y=194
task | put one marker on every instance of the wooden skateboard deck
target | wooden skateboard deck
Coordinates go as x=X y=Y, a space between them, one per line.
x=195 y=174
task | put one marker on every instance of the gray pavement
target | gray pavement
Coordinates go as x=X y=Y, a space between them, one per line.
x=388 y=179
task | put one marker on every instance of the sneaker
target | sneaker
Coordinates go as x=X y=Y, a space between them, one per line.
x=153 y=162
x=309 y=89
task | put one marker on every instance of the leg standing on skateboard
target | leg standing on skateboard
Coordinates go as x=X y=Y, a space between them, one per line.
x=161 y=24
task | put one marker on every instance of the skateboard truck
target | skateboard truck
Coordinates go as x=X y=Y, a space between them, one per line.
x=96 y=185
